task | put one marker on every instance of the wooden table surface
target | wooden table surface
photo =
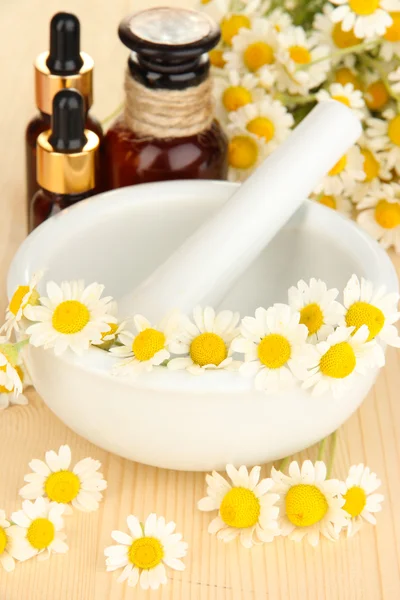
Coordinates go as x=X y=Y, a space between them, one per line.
x=365 y=568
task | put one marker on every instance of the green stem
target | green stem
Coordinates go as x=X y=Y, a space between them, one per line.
x=343 y=52
x=288 y=99
x=19 y=345
x=284 y=462
x=321 y=448
x=114 y=113
x=332 y=454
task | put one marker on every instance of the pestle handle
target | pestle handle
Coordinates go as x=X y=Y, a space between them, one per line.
x=207 y=264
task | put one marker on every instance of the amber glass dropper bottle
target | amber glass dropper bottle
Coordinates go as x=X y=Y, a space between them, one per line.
x=67 y=159
x=65 y=66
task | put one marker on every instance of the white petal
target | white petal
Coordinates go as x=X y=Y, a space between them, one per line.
x=121 y=538
x=150 y=525
x=38 y=466
x=134 y=527
x=53 y=461
x=64 y=455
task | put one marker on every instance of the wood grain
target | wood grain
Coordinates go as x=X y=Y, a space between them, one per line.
x=366 y=567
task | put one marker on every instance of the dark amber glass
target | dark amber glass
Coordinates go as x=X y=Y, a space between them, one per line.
x=130 y=159
x=46 y=204
x=42 y=122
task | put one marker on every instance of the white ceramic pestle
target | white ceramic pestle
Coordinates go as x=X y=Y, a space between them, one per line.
x=206 y=265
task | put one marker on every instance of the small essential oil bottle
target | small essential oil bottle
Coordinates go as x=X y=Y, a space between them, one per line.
x=168 y=129
x=63 y=67
x=67 y=159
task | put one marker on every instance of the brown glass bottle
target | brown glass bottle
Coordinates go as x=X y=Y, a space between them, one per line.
x=63 y=67
x=41 y=122
x=140 y=155
x=67 y=159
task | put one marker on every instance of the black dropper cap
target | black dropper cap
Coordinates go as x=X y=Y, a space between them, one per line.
x=68 y=122
x=64 y=57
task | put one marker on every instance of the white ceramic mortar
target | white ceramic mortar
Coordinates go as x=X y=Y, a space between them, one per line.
x=174 y=419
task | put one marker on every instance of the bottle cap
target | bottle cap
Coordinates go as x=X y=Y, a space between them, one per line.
x=67 y=154
x=169 y=41
x=64 y=66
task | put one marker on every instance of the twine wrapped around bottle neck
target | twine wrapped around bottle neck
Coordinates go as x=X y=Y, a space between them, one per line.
x=168 y=113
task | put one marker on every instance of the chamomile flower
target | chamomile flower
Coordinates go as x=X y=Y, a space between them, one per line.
x=347 y=95
x=338 y=361
x=331 y=34
x=6 y=558
x=246 y=508
x=344 y=175
x=390 y=41
x=360 y=500
x=381 y=217
x=384 y=136
x=71 y=316
x=274 y=347
x=146 y=349
x=38 y=530
x=81 y=486
x=373 y=307
x=245 y=153
x=318 y=308
x=234 y=91
x=10 y=375
x=109 y=337
x=376 y=94
x=340 y=203
x=255 y=50
x=309 y=504
x=267 y=119
x=23 y=296
x=280 y=20
x=367 y=18
x=11 y=397
x=205 y=341
x=146 y=551
x=297 y=72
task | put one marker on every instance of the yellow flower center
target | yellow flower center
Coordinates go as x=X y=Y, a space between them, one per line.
x=370 y=166
x=355 y=501
x=208 y=349
x=240 y=508
x=230 y=27
x=344 y=39
x=62 y=486
x=364 y=7
x=40 y=533
x=257 y=55
x=243 y=152
x=3 y=540
x=235 y=97
x=339 y=167
x=19 y=294
x=387 y=214
x=70 y=317
x=345 y=75
x=392 y=33
x=339 y=361
x=376 y=95
x=362 y=313
x=300 y=55
x=216 y=57
x=328 y=201
x=146 y=553
x=274 y=351
x=311 y=316
x=394 y=130
x=305 y=505
x=262 y=127
x=111 y=331
x=342 y=99
x=147 y=343
x=3 y=389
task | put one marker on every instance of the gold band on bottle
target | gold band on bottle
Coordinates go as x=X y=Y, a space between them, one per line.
x=67 y=173
x=47 y=85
